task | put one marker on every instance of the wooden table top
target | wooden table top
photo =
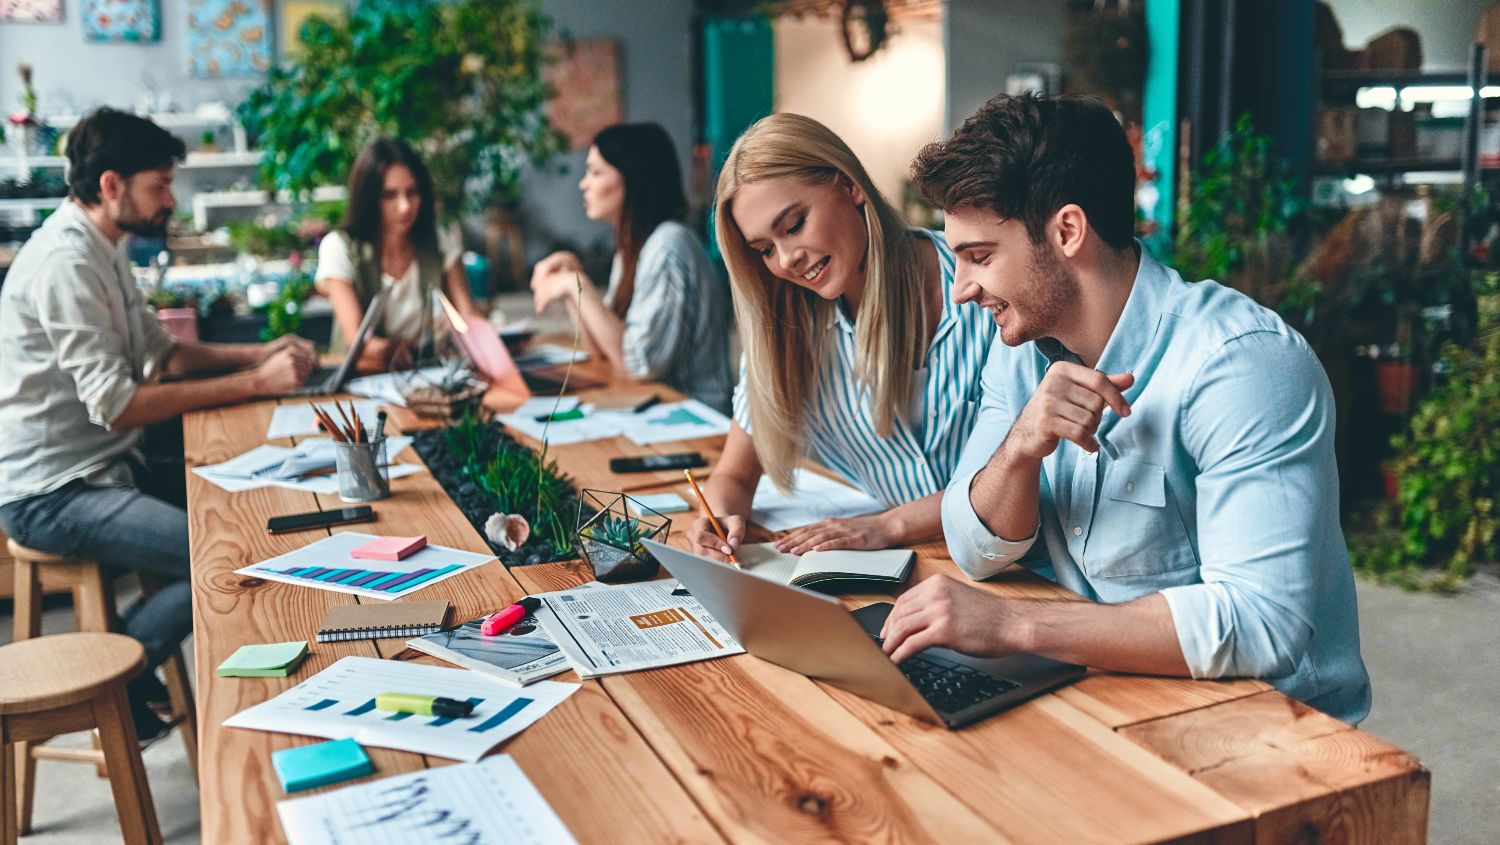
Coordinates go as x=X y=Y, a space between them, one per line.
x=741 y=750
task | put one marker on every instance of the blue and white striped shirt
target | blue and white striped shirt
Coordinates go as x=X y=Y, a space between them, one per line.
x=923 y=450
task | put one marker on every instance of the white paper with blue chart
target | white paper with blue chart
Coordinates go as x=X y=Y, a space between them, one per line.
x=328 y=565
x=339 y=703
x=487 y=803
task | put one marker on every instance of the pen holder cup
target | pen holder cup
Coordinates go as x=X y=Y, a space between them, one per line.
x=362 y=470
x=610 y=529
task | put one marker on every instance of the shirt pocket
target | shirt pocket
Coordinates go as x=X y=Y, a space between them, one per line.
x=1136 y=532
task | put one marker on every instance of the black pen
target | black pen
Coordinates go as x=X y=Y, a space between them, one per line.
x=646 y=404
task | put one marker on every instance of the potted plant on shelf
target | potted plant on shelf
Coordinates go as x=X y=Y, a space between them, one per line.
x=177 y=312
x=609 y=536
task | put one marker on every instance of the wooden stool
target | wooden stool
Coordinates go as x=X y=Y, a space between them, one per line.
x=74 y=682
x=94 y=611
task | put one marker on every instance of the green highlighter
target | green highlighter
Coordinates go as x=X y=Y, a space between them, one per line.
x=423 y=705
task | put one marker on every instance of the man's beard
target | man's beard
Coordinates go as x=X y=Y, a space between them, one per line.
x=1043 y=304
x=132 y=221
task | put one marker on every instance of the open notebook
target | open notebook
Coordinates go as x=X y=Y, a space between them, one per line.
x=890 y=566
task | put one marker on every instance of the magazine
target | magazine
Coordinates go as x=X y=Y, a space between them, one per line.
x=520 y=655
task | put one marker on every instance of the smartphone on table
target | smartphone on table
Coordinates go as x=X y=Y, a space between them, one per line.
x=319 y=519
x=654 y=463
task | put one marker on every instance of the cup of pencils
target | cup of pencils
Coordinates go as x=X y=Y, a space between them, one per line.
x=358 y=454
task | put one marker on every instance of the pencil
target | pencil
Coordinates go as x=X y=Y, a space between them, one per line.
x=328 y=424
x=708 y=511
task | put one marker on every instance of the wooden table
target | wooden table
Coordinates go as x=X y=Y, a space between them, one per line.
x=741 y=750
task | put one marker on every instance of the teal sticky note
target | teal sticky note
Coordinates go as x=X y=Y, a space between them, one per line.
x=321 y=764
x=276 y=660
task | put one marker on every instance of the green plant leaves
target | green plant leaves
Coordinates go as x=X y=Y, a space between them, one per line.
x=461 y=81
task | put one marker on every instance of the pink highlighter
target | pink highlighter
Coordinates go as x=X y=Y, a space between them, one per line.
x=503 y=620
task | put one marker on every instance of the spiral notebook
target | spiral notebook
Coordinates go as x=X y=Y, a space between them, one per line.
x=373 y=621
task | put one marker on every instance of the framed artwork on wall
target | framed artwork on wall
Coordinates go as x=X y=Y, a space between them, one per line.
x=228 y=38
x=294 y=13
x=586 y=80
x=120 y=20
x=31 y=11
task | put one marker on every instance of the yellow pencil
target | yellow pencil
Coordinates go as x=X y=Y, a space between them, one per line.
x=718 y=529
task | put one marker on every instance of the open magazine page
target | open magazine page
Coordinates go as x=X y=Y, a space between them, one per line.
x=627 y=627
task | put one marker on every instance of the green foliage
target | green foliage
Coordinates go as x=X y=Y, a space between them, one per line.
x=622 y=532
x=1447 y=464
x=517 y=479
x=284 y=314
x=1242 y=195
x=169 y=298
x=262 y=241
x=523 y=482
x=460 y=80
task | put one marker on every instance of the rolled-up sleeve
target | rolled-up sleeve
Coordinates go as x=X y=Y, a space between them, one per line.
x=655 y=324
x=90 y=346
x=1259 y=423
x=977 y=551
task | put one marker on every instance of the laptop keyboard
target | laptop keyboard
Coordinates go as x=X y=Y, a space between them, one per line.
x=952 y=687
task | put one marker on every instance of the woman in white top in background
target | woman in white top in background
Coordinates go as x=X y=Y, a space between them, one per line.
x=666 y=316
x=390 y=241
x=856 y=356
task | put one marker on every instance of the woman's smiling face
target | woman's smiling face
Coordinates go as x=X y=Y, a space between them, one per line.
x=810 y=234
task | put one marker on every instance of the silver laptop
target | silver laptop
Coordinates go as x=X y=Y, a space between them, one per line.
x=326 y=380
x=813 y=634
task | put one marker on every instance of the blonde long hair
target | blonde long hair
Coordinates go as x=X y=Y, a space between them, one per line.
x=785 y=327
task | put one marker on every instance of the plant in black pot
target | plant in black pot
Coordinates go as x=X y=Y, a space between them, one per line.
x=609 y=537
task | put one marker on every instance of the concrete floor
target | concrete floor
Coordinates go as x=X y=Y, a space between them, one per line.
x=1432 y=660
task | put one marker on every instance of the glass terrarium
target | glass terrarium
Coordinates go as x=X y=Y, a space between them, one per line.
x=611 y=527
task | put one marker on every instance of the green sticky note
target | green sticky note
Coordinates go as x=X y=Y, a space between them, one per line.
x=276 y=660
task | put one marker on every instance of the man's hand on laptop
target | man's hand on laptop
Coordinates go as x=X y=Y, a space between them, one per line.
x=301 y=347
x=285 y=370
x=1067 y=405
x=941 y=611
x=706 y=542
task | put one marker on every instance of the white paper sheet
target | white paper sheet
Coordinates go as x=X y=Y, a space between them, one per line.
x=686 y=420
x=662 y=502
x=260 y=466
x=339 y=703
x=487 y=803
x=388 y=388
x=813 y=498
x=541 y=406
x=298 y=420
x=319 y=565
x=628 y=627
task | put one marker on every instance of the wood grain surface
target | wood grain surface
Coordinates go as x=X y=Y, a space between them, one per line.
x=740 y=750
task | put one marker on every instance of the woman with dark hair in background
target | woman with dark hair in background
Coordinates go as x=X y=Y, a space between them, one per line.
x=666 y=315
x=390 y=240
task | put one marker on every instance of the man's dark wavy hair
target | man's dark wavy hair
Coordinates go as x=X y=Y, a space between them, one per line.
x=108 y=139
x=1025 y=157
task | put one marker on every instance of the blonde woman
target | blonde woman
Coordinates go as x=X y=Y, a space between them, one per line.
x=856 y=356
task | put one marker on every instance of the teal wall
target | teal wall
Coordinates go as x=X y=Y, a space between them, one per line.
x=1159 y=114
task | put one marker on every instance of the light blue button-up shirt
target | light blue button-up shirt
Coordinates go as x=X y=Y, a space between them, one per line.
x=1219 y=491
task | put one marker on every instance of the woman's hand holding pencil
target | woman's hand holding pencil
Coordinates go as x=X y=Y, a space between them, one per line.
x=708 y=528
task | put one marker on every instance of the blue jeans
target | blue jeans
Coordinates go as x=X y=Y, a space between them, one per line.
x=122 y=528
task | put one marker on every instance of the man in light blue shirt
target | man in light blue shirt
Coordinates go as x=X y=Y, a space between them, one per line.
x=1170 y=443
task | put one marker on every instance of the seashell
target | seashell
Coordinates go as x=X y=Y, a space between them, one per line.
x=510 y=530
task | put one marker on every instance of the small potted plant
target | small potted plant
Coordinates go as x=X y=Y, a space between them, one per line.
x=611 y=527
x=178 y=314
x=208 y=142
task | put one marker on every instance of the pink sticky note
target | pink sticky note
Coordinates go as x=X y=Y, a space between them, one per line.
x=389 y=548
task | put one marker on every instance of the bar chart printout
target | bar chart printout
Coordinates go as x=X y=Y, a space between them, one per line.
x=327 y=564
x=339 y=702
x=487 y=803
